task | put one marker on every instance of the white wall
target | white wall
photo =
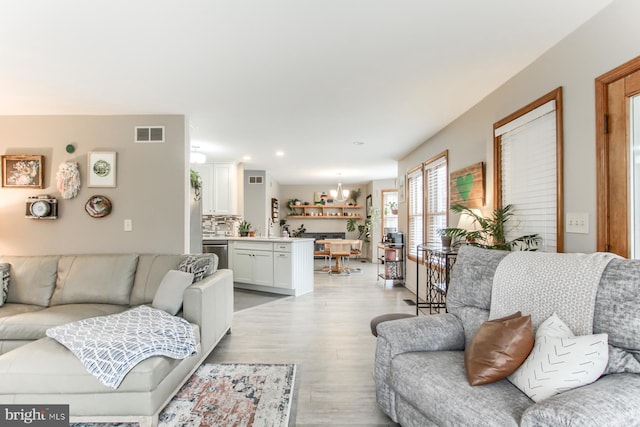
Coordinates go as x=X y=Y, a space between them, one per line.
x=151 y=186
x=606 y=41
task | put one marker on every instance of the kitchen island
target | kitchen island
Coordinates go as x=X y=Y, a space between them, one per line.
x=272 y=264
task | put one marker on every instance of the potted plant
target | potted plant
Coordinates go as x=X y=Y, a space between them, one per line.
x=244 y=228
x=393 y=206
x=354 y=196
x=292 y=203
x=492 y=231
x=364 y=230
x=196 y=184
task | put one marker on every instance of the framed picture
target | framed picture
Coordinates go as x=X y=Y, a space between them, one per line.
x=102 y=169
x=402 y=180
x=23 y=171
x=467 y=186
x=369 y=205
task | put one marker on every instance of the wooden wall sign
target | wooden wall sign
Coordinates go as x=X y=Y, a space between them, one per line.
x=467 y=186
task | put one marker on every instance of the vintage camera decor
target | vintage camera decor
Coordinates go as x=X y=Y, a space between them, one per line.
x=42 y=207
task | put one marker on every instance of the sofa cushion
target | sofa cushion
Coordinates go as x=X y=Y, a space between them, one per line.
x=169 y=296
x=151 y=269
x=199 y=265
x=617 y=314
x=33 y=325
x=11 y=309
x=48 y=367
x=33 y=279
x=437 y=382
x=469 y=292
x=560 y=361
x=4 y=277
x=498 y=348
x=98 y=279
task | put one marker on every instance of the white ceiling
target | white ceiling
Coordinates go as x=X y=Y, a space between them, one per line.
x=308 y=77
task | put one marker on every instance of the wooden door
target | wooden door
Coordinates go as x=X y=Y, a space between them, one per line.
x=613 y=100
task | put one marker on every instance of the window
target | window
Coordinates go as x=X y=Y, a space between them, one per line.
x=528 y=169
x=415 y=201
x=436 y=183
x=427 y=203
x=389 y=211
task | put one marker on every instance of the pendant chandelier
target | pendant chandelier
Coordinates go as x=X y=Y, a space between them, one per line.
x=197 y=157
x=339 y=194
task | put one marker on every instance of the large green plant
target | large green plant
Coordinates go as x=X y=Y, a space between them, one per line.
x=364 y=230
x=491 y=232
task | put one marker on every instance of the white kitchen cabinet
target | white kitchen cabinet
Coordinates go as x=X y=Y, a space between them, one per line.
x=282 y=270
x=252 y=263
x=219 y=188
x=283 y=266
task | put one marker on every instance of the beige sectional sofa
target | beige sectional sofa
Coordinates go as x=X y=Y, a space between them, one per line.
x=46 y=291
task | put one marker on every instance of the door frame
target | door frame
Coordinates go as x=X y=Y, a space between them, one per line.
x=602 y=148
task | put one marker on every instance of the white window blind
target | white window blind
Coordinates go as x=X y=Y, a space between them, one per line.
x=415 y=208
x=529 y=178
x=436 y=183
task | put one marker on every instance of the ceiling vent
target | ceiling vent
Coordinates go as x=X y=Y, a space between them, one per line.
x=255 y=180
x=149 y=134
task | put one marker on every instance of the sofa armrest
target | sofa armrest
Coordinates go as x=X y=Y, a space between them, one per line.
x=438 y=332
x=209 y=304
x=613 y=400
x=426 y=333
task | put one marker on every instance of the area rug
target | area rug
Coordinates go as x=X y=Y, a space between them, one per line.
x=242 y=395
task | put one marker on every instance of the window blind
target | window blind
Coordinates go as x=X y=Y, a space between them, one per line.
x=415 y=209
x=529 y=178
x=436 y=183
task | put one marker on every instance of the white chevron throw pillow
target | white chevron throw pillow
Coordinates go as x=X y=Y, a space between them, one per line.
x=560 y=361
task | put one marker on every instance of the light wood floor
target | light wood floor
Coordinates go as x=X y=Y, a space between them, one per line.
x=327 y=335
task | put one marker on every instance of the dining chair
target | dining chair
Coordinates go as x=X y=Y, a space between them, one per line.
x=341 y=252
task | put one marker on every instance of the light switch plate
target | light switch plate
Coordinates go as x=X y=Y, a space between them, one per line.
x=128 y=225
x=577 y=222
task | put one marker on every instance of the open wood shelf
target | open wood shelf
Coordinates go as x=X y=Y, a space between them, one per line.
x=324 y=212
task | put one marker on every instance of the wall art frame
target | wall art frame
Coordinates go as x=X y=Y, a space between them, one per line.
x=22 y=171
x=402 y=184
x=101 y=169
x=369 y=205
x=467 y=186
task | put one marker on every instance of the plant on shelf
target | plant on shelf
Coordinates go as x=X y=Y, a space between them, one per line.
x=364 y=230
x=244 y=228
x=291 y=204
x=354 y=196
x=492 y=231
x=196 y=184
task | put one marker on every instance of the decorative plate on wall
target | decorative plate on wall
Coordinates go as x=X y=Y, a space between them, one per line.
x=98 y=206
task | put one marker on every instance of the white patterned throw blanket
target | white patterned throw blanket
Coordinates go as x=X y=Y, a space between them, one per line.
x=540 y=284
x=110 y=346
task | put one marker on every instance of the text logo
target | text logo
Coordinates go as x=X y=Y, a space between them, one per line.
x=34 y=415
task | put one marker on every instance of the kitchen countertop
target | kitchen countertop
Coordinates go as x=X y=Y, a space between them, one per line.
x=206 y=237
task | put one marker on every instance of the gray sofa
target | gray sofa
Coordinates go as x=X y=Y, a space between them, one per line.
x=46 y=291
x=420 y=372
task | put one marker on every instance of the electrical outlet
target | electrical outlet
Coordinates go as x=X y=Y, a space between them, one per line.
x=128 y=225
x=577 y=222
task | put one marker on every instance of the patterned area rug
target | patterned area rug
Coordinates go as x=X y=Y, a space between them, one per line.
x=229 y=395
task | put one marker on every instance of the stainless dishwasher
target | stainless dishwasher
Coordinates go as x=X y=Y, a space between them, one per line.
x=218 y=247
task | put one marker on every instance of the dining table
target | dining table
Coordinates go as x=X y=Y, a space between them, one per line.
x=338 y=267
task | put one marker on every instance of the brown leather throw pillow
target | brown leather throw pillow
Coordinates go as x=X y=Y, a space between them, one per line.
x=499 y=347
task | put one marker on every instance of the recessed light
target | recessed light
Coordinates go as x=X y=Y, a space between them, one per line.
x=279 y=153
x=358 y=143
x=246 y=158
